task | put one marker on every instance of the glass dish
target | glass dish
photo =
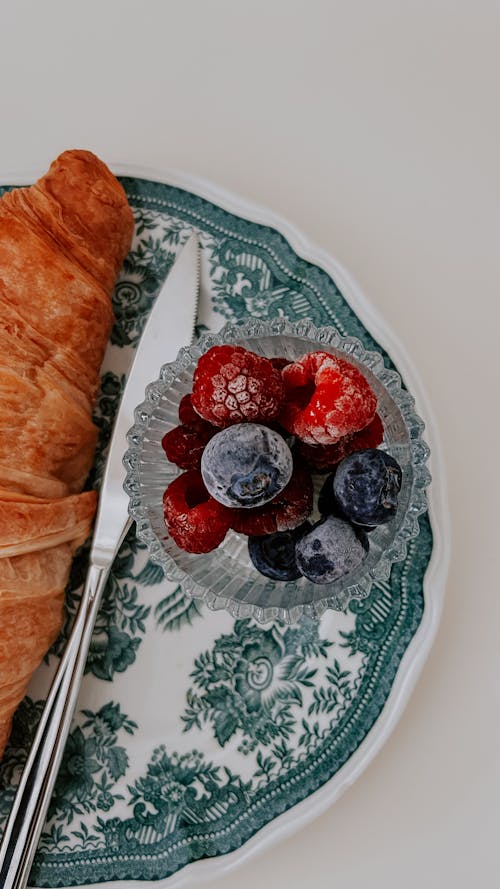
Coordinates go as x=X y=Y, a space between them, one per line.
x=225 y=578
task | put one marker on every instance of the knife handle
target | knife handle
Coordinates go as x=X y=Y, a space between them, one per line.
x=33 y=795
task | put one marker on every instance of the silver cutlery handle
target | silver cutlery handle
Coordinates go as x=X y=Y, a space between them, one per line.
x=33 y=795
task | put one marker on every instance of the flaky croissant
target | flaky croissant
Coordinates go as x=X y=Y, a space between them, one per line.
x=62 y=242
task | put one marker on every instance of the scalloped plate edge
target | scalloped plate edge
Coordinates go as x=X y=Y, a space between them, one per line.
x=436 y=575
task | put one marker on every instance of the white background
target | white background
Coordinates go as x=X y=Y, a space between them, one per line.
x=374 y=128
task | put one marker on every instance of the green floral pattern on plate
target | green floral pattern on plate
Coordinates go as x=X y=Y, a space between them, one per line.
x=185 y=745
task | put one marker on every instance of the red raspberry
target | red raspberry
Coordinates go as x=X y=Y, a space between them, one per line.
x=185 y=445
x=189 y=417
x=195 y=521
x=279 y=363
x=232 y=385
x=287 y=511
x=323 y=458
x=325 y=399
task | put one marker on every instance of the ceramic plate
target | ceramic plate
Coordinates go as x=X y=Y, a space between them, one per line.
x=199 y=739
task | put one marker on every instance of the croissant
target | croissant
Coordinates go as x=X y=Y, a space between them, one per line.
x=62 y=243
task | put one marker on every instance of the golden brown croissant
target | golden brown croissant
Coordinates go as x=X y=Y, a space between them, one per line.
x=62 y=242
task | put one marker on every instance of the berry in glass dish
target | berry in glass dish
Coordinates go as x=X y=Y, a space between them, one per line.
x=323 y=458
x=285 y=512
x=273 y=555
x=195 y=521
x=246 y=465
x=330 y=550
x=366 y=487
x=325 y=398
x=224 y=577
x=184 y=445
x=233 y=385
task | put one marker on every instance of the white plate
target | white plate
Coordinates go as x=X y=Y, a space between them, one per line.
x=135 y=803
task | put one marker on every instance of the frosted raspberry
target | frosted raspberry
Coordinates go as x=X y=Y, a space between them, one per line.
x=323 y=458
x=195 y=521
x=279 y=363
x=188 y=415
x=232 y=385
x=325 y=399
x=285 y=512
x=185 y=445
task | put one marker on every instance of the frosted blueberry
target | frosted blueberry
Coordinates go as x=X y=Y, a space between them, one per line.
x=331 y=549
x=246 y=465
x=274 y=554
x=366 y=486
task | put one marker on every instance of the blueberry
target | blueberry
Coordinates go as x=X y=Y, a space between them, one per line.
x=327 y=504
x=331 y=549
x=366 y=486
x=274 y=554
x=246 y=465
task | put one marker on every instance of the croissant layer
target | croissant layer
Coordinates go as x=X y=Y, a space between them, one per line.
x=27 y=526
x=27 y=351
x=31 y=607
x=62 y=243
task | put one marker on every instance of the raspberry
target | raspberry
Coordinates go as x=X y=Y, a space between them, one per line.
x=279 y=363
x=184 y=445
x=325 y=399
x=323 y=458
x=285 y=512
x=188 y=415
x=232 y=385
x=195 y=521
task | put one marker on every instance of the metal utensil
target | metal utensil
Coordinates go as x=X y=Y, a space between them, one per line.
x=169 y=326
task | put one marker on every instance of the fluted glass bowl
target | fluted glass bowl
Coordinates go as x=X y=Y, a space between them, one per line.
x=225 y=578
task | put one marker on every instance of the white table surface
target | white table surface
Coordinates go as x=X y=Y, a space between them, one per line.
x=374 y=128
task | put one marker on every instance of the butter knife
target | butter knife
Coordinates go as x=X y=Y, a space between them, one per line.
x=169 y=327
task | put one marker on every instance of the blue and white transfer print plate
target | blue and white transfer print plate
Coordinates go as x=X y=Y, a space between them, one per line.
x=197 y=735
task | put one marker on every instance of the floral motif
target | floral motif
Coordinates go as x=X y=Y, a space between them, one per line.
x=250 y=682
x=255 y=673
x=24 y=725
x=77 y=768
x=144 y=271
x=121 y=622
x=178 y=787
x=136 y=290
x=92 y=764
x=175 y=609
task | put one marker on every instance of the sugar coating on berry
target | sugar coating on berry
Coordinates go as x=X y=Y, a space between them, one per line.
x=287 y=511
x=246 y=465
x=195 y=521
x=330 y=550
x=325 y=399
x=323 y=458
x=232 y=385
x=184 y=445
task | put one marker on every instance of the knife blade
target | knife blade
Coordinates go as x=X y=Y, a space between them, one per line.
x=169 y=326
